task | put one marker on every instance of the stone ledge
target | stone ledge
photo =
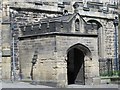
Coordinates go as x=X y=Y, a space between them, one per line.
x=57 y=33
x=112 y=79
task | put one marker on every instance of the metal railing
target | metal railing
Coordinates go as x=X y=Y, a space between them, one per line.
x=106 y=67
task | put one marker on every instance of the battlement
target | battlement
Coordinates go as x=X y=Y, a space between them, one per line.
x=37 y=6
x=96 y=9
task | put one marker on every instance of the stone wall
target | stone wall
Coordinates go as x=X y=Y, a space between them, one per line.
x=106 y=40
x=24 y=17
x=37 y=5
x=6 y=68
x=46 y=58
x=52 y=52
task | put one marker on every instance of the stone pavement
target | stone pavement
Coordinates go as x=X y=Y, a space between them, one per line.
x=28 y=85
x=22 y=85
x=95 y=86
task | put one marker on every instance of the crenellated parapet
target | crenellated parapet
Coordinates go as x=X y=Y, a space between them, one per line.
x=38 y=6
x=96 y=9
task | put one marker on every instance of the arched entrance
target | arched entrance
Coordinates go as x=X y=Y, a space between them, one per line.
x=75 y=64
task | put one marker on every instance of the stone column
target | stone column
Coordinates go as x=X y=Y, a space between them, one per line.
x=91 y=71
x=61 y=71
x=88 y=65
x=6 y=41
x=101 y=42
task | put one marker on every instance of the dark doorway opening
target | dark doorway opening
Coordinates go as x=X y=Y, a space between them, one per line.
x=75 y=67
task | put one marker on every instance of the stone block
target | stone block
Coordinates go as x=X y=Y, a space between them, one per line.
x=6 y=52
x=6 y=68
x=105 y=81
x=89 y=81
x=96 y=81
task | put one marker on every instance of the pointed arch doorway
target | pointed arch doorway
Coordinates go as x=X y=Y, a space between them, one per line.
x=75 y=64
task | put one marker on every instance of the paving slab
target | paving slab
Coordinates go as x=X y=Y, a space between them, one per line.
x=95 y=86
x=28 y=85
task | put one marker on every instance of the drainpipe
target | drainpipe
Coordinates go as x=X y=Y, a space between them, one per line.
x=115 y=22
x=13 y=62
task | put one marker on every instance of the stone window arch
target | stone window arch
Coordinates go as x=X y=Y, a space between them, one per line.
x=95 y=27
x=77 y=56
x=77 y=25
x=92 y=27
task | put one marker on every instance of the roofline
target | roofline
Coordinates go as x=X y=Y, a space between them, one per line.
x=36 y=10
x=49 y=19
x=97 y=17
x=57 y=34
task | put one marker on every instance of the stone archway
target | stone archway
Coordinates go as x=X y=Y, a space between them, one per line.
x=76 y=64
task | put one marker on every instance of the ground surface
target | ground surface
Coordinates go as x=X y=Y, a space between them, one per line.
x=28 y=85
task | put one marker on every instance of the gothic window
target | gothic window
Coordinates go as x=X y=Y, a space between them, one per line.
x=77 y=25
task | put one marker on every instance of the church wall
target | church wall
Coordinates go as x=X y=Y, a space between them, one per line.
x=26 y=53
x=106 y=35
